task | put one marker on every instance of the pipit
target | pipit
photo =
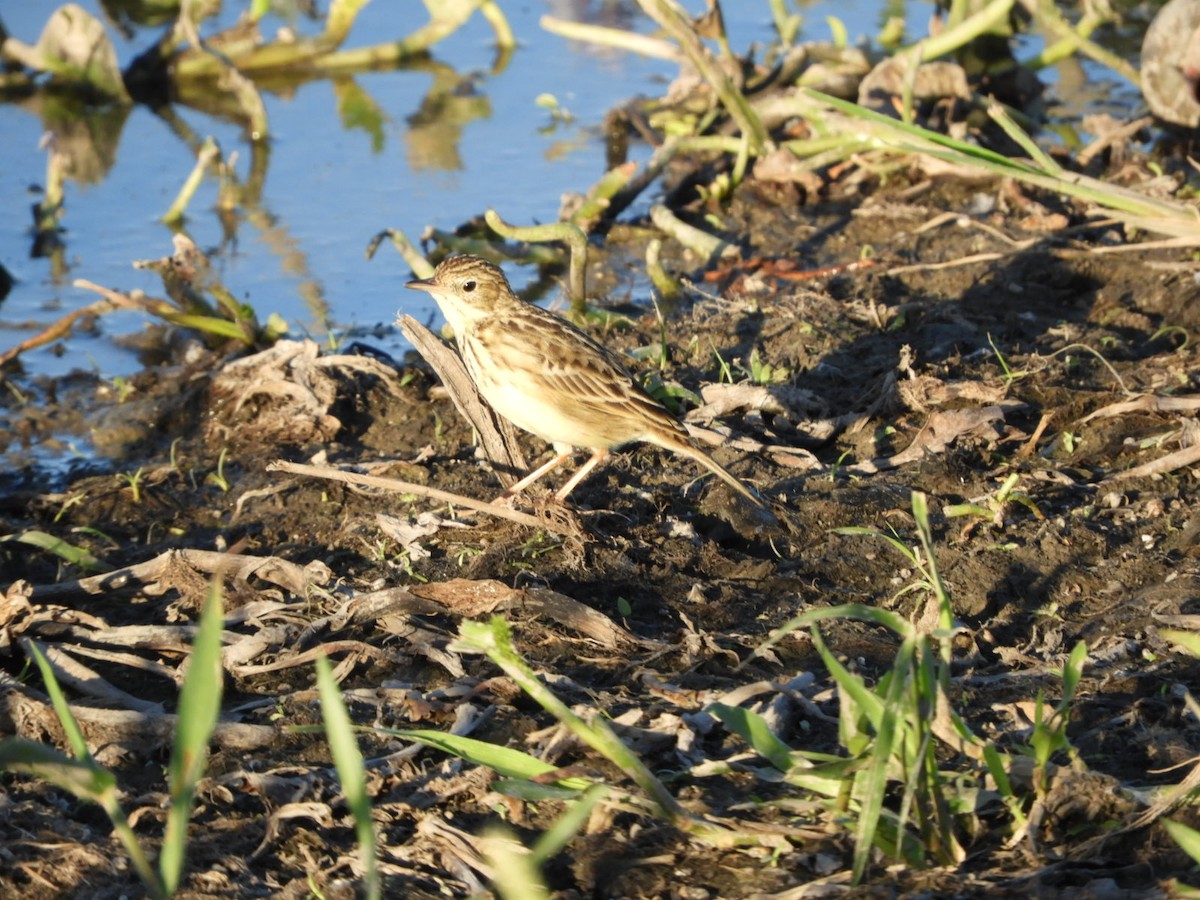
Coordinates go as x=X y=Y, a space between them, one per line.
x=546 y=376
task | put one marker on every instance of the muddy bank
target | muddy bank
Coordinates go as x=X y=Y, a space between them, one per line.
x=966 y=349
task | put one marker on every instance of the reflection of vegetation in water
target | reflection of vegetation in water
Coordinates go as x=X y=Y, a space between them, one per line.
x=74 y=53
x=72 y=80
x=434 y=129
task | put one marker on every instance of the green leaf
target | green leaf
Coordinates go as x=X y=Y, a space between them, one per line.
x=1187 y=838
x=199 y=706
x=753 y=729
x=569 y=824
x=61 y=708
x=504 y=760
x=347 y=758
x=1188 y=640
x=77 y=556
x=82 y=778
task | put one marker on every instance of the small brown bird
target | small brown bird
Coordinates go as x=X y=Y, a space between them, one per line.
x=546 y=376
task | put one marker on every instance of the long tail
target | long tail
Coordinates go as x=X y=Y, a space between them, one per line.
x=681 y=445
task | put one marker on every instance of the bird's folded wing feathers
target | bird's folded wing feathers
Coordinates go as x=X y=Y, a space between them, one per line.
x=590 y=378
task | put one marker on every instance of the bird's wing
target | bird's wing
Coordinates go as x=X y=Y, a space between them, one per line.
x=582 y=372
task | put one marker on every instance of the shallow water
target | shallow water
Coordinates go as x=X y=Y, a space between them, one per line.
x=330 y=186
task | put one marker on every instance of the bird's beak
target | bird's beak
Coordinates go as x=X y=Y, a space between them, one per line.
x=428 y=285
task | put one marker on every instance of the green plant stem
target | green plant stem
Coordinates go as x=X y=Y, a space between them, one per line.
x=668 y=288
x=209 y=153
x=199 y=708
x=599 y=197
x=1135 y=209
x=416 y=261
x=672 y=17
x=572 y=235
x=963 y=33
x=50 y=208
x=707 y=246
x=1051 y=20
x=494 y=639
x=348 y=761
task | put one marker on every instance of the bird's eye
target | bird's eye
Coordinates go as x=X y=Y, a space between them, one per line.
x=469 y=286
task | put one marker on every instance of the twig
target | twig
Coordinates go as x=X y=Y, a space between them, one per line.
x=1125 y=132
x=1031 y=445
x=497 y=437
x=1145 y=403
x=1169 y=463
x=408 y=487
x=949 y=264
x=288 y=575
x=59 y=329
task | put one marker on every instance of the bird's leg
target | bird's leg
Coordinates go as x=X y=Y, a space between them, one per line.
x=557 y=460
x=597 y=457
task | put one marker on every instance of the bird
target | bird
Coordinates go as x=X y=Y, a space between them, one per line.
x=549 y=378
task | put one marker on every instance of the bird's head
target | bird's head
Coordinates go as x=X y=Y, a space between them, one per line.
x=467 y=288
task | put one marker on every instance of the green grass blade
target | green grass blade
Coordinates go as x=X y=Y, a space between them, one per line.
x=348 y=761
x=876 y=616
x=77 y=556
x=505 y=761
x=86 y=780
x=569 y=824
x=873 y=784
x=211 y=325
x=61 y=708
x=1187 y=838
x=494 y=638
x=864 y=700
x=515 y=875
x=1188 y=640
x=199 y=706
x=1159 y=215
x=920 y=507
x=861 y=531
x=826 y=780
x=1072 y=673
x=753 y=729
x=83 y=778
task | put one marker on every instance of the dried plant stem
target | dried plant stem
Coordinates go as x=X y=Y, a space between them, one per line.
x=571 y=235
x=408 y=487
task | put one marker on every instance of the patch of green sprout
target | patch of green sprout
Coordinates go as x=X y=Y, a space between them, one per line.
x=724 y=371
x=122 y=387
x=218 y=477
x=1010 y=375
x=836 y=469
x=539 y=544
x=71 y=501
x=763 y=373
x=1170 y=330
x=134 y=481
x=995 y=505
x=465 y=553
